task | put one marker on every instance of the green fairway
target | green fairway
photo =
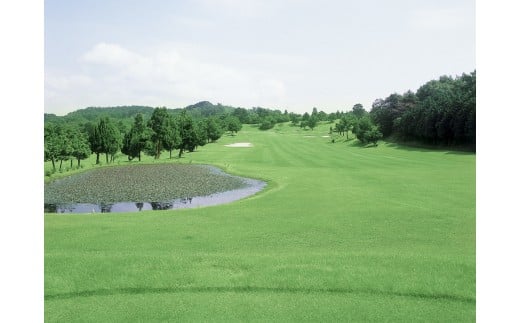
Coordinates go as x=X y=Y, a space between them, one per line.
x=341 y=233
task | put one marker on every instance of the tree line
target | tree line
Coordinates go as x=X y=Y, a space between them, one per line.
x=359 y=122
x=440 y=112
x=163 y=131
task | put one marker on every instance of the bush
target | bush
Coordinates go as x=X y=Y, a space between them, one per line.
x=267 y=123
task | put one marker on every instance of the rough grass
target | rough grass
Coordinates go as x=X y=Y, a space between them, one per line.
x=343 y=233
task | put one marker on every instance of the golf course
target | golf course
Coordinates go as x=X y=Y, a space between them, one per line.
x=341 y=232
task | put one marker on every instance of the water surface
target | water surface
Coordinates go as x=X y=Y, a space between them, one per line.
x=250 y=187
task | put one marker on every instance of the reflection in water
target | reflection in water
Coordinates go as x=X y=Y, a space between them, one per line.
x=139 y=205
x=50 y=208
x=106 y=207
x=253 y=187
x=161 y=205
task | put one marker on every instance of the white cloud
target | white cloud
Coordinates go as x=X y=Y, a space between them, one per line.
x=174 y=77
x=441 y=19
x=240 y=9
x=111 y=54
x=64 y=83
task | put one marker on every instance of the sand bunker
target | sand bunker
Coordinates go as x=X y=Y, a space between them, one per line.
x=240 y=145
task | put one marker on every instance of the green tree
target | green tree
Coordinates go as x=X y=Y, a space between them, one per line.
x=358 y=110
x=373 y=135
x=340 y=127
x=172 y=137
x=105 y=138
x=115 y=142
x=294 y=118
x=267 y=123
x=66 y=137
x=159 y=123
x=80 y=146
x=213 y=129
x=313 y=121
x=135 y=140
x=314 y=112
x=51 y=144
x=188 y=135
x=201 y=133
x=346 y=123
x=362 y=127
x=233 y=124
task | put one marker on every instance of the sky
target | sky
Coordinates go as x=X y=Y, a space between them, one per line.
x=292 y=55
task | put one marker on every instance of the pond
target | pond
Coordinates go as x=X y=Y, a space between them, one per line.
x=146 y=187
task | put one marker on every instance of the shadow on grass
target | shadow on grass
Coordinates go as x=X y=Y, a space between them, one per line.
x=254 y=289
x=356 y=143
x=423 y=148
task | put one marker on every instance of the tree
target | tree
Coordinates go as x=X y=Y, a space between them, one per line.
x=105 y=138
x=294 y=118
x=115 y=142
x=233 y=124
x=188 y=135
x=213 y=129
x=200 y=134
x=172 y=137
x=362 y=127
x=242 y=115
x=267 y=123
x=65 y=138
x=159 y=123
x=331 y=117
x=373 y=135
x=314 y=112
x=346 y=123
x=340 y=127
x=358 y=110
x=51 y=144
x=313 y=121
x=135 y=140
x=80 y=146
x=384 y=112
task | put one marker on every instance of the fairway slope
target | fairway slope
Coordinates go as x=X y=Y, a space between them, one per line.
x=342 y=233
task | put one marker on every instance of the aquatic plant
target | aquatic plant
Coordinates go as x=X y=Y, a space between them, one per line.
x=143 y=183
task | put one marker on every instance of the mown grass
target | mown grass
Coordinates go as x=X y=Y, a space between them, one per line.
x=342 y=233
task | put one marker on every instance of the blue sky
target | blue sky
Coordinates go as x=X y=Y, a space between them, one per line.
x=292 y=55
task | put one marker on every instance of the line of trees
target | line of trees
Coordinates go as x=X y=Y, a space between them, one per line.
x=163 y=131
x=359 y=122
x=442 y=111
x=62 y=143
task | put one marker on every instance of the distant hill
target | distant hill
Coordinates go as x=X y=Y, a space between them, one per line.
x=121 y=112
x=206 y=109
x=126 y=114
